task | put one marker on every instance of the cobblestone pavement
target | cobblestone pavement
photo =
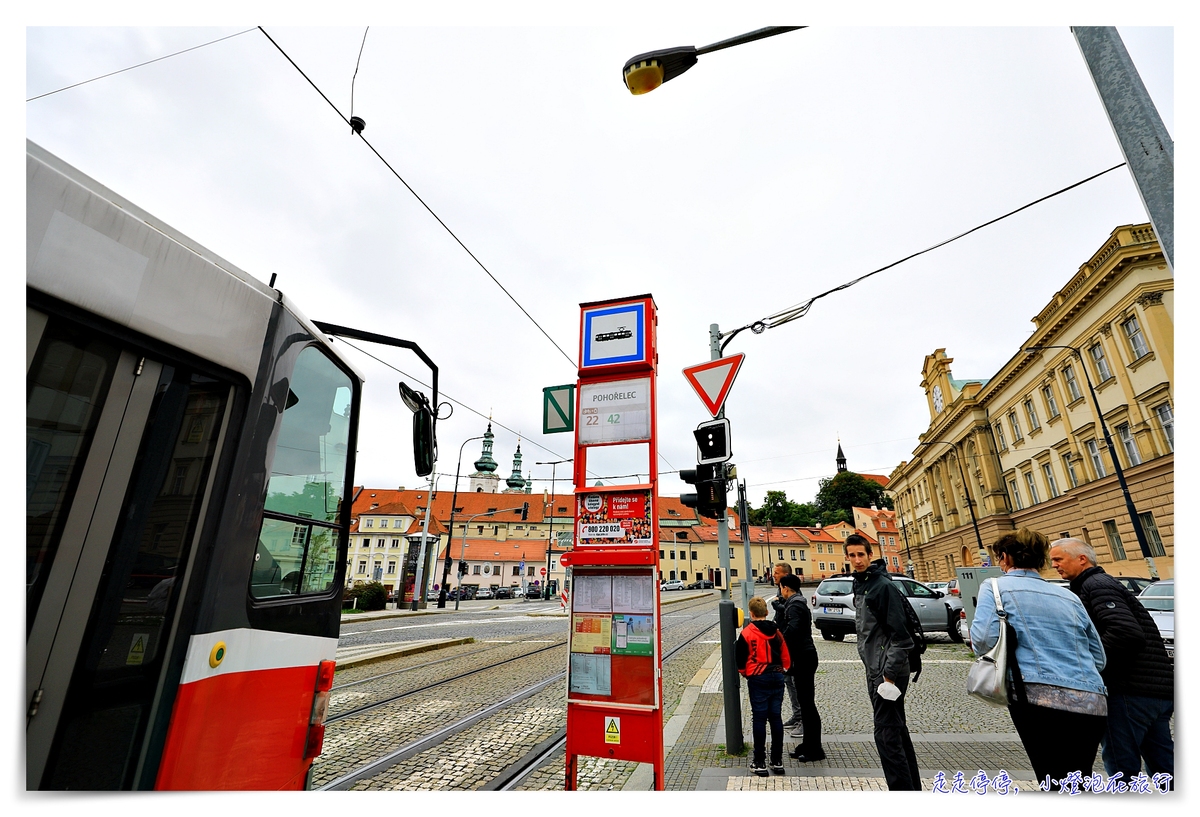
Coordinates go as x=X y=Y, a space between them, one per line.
x=472 y=758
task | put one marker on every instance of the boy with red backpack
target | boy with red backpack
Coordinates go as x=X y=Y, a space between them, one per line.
x=762 y=657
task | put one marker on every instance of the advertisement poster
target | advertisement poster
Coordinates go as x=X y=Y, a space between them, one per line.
x=632 y=635
x=591 y=633
x=591 y=674
x=607 y=519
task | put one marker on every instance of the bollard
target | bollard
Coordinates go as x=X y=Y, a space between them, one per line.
x=731 y=684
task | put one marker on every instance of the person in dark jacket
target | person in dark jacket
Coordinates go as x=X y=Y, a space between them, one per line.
x=797 y=632
x=794 y=722
x=883 y=645
x=762 y=657
x=1139 y=675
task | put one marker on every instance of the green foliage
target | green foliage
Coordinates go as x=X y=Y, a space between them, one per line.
x=370 y=595
x=782 y=512
x=837 y=495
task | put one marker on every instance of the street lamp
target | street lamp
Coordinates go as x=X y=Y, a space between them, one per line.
x=441 y=603
x=645 y=72
x=550 y=536
x=966 y=495
x=1112 y=453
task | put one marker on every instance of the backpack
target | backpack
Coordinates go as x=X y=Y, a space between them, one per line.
x=918 y=636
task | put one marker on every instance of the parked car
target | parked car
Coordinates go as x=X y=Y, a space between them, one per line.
x=504 y=593
x=833 y=607
x=673 y=584
x=951 y=588
x=941 y=587
x=518 y=593
x=1159 y=599
x=1135 y=584
x=484 y=593
x=703 y=584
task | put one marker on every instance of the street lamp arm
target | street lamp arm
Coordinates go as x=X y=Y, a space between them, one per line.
x=749 y=37
x=645 y=72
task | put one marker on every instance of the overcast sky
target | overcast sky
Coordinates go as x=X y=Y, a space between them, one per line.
x=766 y=174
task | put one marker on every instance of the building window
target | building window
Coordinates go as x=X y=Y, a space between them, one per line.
x=529 y=571
x=1051 y=403
x=733 y=572
x=395 y=543
x=1031 y=413
x=1166 y=418
x=1000 y=437
x=731 y=553
x=1152 y=537
x=1071 y=475
x=781 y=554
x=672 y=554
x=793 y=554
x=516 y=570
x=369 y=523
x=181 y=472
x=1016 y=494
x=378 y=573
x=1130 y=445
x=662 y=554
x=802 y=558
x=1016 y=426
x=383 y=523
x=821 y=565
x=1114 y=540
x=391 y=567
x=1137 y=343
x=366 y=543
x=1103 y=373
x=694 y=556
x=1033 y=492
x=362 y=566
x=1094 y=454
x=475 y=570
x=1072 y=383
x=480 y=528
x=1051 y=485
x=495 y=530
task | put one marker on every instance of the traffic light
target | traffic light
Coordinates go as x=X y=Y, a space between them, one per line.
x=709 y=499
x=462 y=568
x=525 y=512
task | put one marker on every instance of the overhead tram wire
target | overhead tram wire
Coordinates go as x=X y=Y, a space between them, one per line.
x=421 y=200
x=801 y=309
x=139 y=65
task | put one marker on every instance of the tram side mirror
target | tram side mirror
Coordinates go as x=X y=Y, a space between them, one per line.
x=424 y=439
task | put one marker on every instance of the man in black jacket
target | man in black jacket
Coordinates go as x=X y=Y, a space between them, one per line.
x=883 y=644
x=793 y=723
x=1139 y=674
x=796 y=626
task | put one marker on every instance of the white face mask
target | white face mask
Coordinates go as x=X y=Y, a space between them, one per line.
x=889 y=691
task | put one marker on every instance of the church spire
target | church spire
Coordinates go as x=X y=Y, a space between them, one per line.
x=516 y=482
x=485 y=464
x=841 y=458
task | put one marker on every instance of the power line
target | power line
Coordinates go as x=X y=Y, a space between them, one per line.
x=139 y=65
x=421 y=200
x=801 y=309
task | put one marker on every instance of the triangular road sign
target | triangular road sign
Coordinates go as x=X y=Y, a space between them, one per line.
x=712 y=380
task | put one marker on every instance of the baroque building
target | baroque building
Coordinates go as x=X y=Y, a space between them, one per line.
x=1024 y=448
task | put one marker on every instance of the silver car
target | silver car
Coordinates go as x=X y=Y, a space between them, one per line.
x=1159 y=599
x=833 y=607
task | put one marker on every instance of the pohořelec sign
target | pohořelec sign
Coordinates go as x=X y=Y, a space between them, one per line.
x=616 y=411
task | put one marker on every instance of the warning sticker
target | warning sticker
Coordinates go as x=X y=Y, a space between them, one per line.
x=137 y=650
x=612 y=730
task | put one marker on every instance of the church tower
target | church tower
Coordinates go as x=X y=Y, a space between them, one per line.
x=841 y=458
x=485 y=479
x=515 y=482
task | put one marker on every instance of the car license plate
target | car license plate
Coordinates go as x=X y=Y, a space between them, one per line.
x=837 y=611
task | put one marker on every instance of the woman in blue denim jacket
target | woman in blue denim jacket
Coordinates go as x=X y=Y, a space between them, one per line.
x=1061 y=714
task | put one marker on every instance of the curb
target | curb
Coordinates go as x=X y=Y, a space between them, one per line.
x=395 y=651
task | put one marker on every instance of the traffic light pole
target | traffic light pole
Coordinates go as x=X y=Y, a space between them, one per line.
x=714 y=347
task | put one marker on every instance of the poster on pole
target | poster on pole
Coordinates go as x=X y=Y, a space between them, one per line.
x=614 y=517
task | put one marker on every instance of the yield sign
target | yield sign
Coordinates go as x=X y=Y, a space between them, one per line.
x=713 y=380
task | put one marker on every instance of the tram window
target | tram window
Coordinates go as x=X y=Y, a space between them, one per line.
x=66 y=387
x=297 y=547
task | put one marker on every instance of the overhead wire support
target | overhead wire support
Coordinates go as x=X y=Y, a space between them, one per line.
x=801 y=309
x=438 y=218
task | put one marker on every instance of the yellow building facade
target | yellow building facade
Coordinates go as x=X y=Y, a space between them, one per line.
x=1023 y=448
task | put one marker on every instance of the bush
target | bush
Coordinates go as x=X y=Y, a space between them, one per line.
x=371 y=595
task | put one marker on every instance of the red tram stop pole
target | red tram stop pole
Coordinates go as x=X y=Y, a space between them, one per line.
x=614 y=670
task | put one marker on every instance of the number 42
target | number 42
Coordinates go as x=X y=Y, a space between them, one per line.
x=614 y=419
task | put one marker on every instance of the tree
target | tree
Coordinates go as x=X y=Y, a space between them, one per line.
x=837 y=495
x=781 y=512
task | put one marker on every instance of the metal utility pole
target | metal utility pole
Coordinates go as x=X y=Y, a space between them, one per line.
x=419 y=584
x=747 y=588
x=714 y=347
x=1148 y=148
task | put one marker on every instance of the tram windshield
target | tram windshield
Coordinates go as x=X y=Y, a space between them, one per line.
x=297 y=550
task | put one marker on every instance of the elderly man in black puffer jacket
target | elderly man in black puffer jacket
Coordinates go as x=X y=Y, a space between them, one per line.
x=1140 y=676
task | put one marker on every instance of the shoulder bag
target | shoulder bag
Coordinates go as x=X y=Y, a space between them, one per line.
x=987 y=679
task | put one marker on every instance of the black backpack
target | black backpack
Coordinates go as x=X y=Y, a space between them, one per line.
x=918 y=636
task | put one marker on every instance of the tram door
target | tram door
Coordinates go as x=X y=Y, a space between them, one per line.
x=119 y=453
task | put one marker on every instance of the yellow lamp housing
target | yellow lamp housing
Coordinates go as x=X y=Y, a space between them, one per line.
x=643 y=77
x=645 y=72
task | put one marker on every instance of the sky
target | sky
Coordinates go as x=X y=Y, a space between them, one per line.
x=765 y=175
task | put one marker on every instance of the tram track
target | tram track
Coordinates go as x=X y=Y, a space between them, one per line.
x=462 y=722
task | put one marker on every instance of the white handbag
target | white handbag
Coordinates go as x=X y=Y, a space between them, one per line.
x=988 y=677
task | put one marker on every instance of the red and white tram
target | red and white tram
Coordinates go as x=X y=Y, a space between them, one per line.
x=190 y=439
